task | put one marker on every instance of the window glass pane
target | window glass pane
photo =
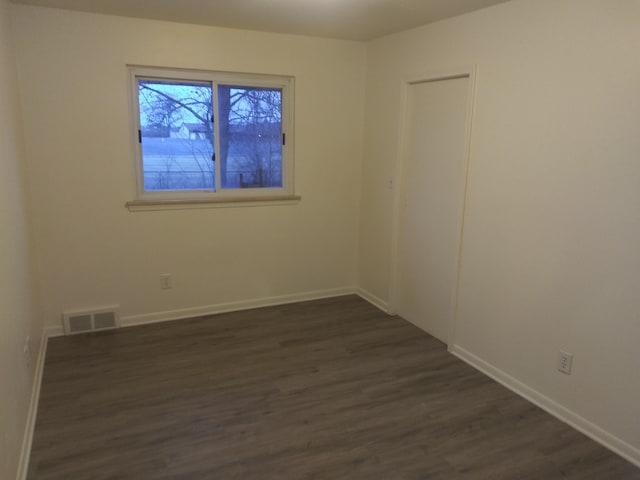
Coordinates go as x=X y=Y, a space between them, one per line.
x=250 y=126
x=177 y=135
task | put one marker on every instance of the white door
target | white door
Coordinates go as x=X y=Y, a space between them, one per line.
x=431 y=203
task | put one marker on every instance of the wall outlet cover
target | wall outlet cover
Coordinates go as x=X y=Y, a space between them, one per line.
x=565 y=362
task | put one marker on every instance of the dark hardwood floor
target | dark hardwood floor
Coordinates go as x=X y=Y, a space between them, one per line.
x=329 y=389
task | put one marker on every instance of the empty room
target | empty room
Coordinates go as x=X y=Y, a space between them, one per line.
x=296 y=239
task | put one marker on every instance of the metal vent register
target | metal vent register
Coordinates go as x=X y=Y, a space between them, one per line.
x=82 y=321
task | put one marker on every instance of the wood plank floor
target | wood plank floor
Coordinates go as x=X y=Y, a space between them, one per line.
x=329 y=389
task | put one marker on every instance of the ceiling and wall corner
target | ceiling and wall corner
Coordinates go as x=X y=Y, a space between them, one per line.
x=348 y=20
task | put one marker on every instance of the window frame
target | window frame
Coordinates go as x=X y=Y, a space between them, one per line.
x=219 y=194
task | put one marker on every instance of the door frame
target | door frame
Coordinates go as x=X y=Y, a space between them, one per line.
x=469 y=72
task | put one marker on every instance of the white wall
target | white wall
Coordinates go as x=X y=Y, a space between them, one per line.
x=551 y=256
x=93 y=251
x=19 y=315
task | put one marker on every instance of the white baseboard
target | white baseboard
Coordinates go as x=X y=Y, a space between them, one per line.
x=25 y=452
x=591 y=430
x=179 y=314
x=146 y=318
x=54 y=331
x=373 y=300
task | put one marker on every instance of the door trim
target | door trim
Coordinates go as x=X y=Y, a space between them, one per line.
x=469 y=72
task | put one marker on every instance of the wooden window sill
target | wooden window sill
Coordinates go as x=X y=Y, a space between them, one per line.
x=187 y=204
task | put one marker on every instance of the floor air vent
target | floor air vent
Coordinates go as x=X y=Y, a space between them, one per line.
x=83 y=321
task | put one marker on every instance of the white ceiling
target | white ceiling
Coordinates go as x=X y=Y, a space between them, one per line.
x=346 y=19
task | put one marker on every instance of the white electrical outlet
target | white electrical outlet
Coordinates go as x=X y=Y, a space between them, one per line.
x=165 y=281
x=27 y=350
x=565 y=361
